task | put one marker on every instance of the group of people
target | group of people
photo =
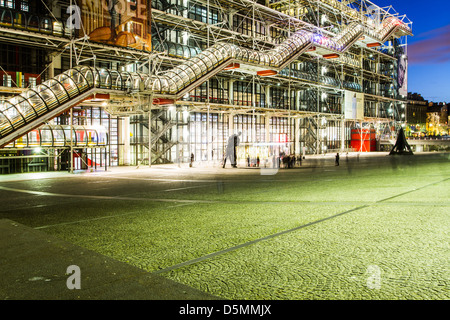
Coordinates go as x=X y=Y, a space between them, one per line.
x=253 y=162
x=289 y=161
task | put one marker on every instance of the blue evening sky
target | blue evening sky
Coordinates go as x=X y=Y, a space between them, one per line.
x=429 y=48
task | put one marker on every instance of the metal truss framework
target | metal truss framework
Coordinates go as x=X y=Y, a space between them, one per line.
x=310 y=80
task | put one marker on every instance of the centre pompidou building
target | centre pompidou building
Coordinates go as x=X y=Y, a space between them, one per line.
x=162 y=80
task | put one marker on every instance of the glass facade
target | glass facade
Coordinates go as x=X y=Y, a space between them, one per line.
x=312 y=86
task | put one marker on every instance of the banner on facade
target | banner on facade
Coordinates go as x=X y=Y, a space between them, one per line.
x=123 y=23
x=402 y=79
x=353 y=105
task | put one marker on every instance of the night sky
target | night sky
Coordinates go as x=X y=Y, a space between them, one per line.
x=429 y=48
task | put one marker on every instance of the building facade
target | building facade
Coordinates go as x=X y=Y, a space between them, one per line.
x=165 y=79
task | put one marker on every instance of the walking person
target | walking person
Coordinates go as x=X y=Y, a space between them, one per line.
x=233 y=142
x=192 y=160
x=337 y=159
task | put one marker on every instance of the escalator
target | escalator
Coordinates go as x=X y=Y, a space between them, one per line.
x=36 y=106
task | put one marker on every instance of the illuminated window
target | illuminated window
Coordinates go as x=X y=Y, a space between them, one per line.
x=6 y=80
x=24 y=5
x=8 y=4
x=32 y=82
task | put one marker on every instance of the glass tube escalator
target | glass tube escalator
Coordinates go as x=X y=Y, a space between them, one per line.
x=59 y=136
x=32 y=107
x=33 y=104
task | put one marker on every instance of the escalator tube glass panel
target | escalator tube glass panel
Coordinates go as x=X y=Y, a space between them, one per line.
x=88 y=75
x=205 y=60
x=172 y=86
x=91 y=137
x=238 y=53
x=102 y=136
x=116 y=80
x=176 y=77
x=35 y=100
x=190 y=73
x=126 y=77
x=6 y=18
x=219 y=56
x=46 y=136
x=186 y=52
x=81 y=136
x=149 y=83
x=164 y=85
x=197 y=70
x=224 y=50
x=26 y=110
x=67 y=135
x=58 y=136
x=33 y=138
x=14 y=116
x=156 y=85
x=47 y=95
x=20 y=20
x=145 y=79
x=105 y=80
x=96 y=77
x=186 y=73
x=136 y=81
x=212 y=57
x=5 y=126
x=75 y=83
x=199 y=66
x=60 y=86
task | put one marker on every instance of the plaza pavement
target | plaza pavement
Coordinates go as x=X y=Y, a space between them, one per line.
x=376 y=227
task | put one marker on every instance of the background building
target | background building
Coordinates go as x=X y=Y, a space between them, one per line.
x=155 y=81
x=416 y=115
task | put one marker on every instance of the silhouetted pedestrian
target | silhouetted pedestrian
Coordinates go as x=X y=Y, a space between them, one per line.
x=337 y=158
x=233 y=142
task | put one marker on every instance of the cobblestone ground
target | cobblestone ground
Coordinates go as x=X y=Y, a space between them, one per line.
x=375 y=229
x=388 y=252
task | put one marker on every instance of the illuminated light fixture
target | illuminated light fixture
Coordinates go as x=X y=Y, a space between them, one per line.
x=265 y=73
x=311 y=49
x=160 y=101
x=362 y=38
x=232 y=66
x=373 y=44
x=331 y=56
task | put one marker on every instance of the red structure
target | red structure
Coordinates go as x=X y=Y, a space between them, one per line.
x=364 y=140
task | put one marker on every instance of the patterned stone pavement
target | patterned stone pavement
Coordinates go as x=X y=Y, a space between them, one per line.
x=375 y=227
